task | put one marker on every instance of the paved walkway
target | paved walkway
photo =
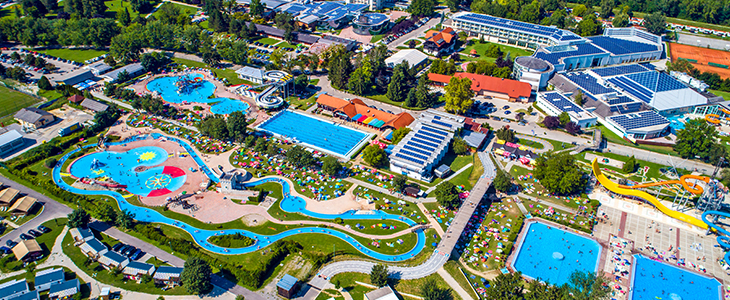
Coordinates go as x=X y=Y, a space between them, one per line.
x=434 y=224
x=431 y=189
x=454 y=284
x=546 y=146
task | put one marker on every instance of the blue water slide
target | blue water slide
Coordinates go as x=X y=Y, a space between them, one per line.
x=724 y=238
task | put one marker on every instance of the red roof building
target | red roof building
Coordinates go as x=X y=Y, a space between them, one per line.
x=439 y=42
x=483 y=85
x=357 y=111
x=76 y=99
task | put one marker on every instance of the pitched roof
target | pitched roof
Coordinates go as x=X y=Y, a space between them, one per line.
x=13 y=287
x=135 y=267
x=31 y=114
x=9 y=137
x=94 y=105
x=92 y=245
x=23 y=204
x=81 y=233
x=384 y=293
x=111 y=257
x=443 y=37
x=48 y=276
x=251 y=72
x=512 y=88
x=65 y=289
x=7 y=195
x=287 y=282
x=76 y=98
x=165 y=272
x=358 y=107
x=32 y=295
x=24 y=247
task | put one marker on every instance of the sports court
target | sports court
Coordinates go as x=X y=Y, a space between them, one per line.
x=705 y=60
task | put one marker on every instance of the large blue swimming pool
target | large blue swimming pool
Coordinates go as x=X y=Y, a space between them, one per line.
x=316 y=133
x=656 y=280
x=552 y=254
x=168 y=89
x=290 y=203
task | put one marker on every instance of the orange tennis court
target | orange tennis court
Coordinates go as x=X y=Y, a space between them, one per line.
x=703 y=59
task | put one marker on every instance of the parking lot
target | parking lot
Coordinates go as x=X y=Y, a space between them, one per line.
x=63 y=66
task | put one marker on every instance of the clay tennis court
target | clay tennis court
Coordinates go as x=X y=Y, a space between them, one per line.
x=703 y=56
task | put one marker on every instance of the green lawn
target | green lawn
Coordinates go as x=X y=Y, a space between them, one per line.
x=384 y=99
x=284 y=44
x=377 y=38
x=482 y=48
x=266 y=40
x=9 y=12
x=12 y=101
x=330 y=293
x=77 y=55
x=413 y=287
x=228 y=74
x=725 y=95
x=116 y=6
x=611 y=137
x=453 y=267
x=183 y=8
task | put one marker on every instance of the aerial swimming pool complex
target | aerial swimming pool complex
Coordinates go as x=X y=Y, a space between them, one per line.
x=657 y=280
x=193 y=88
x=316 y=133
x=551 y=254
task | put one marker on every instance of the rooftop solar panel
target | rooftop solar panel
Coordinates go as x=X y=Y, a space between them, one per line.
x=434 y=130
x=576 y=50
x=620 y=70
x=414 y=154
x=447 y=125
x=588 y=83
x=620 y=46
x=561 y=102
x=421 y=136
x=551 y=32
x=639 y=120
x=424 y=142
x=415 y=144
x=408 y=158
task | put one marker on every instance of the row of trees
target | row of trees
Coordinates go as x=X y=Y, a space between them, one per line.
x=401 y=89
x=561 y=121
x=231 y=128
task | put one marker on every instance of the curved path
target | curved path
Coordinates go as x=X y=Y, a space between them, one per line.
x=443 y=250
x=289 y=204
x=546 y=146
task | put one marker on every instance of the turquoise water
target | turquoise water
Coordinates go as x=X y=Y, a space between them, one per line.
x=656 y=280
x=120 y=167
x=314 y=132
x=289 y=204
x=536 y=256
x=169 y=92
x=677 y=122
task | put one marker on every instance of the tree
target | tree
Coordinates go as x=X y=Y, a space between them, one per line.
x=506 y=134
x=361 y=79
x=578 y=98
x=237 y=126
x=78 y=218
x=105 y=213
x=588 y=26
x=124 y=18
x=458 y=96
x=502 y=182
x=339 y=69
x=399 y=134
x=196 y=276
x=109 y=60
x=301 y=82
x=559 y=173
x=680 y=65
x=430 y=290
x=411 y=100
x=331 y=165
x=588 y=286
x=423 y=95
x=375 y=156
x=453 y=5
x=572 y=128
x=412 y=44
x=529 y=110
x=622 y=20
x=126 y=47
x=494 y=50
x=579 y=10
x=300 y=157
x=125 y=219
x=607 y=8
x=422 y=8
x=50 y=162
x=696 y=139
x=459 y=146
x=506 y=287
x=215 y=127
x=398 y=87
x=655 y=23
x=551 y=122
x=399 y=182
x=447 y=195
x=564 y=118
x=379 y=275
x=629 y=165
x=45 y=84
x=256 y=8
x=153 y=61
x=211 y=57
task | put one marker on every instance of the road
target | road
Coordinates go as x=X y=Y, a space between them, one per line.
x=443 y=250
x=702 y=41
x=419 y=32
x=51 y=210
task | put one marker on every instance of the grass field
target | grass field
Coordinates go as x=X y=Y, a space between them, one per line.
x=187 y=10
x=115 y=6
x=725 y=95
x=12 y=101
x=228 y=74
x=77 y=55
x=482 y=48
x=267 y=40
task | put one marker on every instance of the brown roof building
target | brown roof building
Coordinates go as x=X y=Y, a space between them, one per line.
x=76 y=99
x=23 y=206
x=7 y=196
x=27 y=251
x=357 y=111
x=484 y=85
x=439 y=42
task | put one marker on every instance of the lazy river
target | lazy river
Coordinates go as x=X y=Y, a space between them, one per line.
x=132 y=159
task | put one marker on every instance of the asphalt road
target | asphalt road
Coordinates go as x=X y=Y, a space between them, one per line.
x=419 y=32
x=701 y=41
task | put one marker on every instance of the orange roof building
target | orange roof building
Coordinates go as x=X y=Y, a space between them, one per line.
x=439 y=42
x=484 y=85
x=357 y=111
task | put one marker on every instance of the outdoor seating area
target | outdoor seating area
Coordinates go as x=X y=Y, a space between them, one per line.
x=203 y=143
x=490 y=235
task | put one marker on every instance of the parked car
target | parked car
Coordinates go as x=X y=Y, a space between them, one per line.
x=10 y=243
x=25 y=237
x=128 y=250
x=122 y=248
x=43 y=229
x=117 y=246
x=34 y=233
x=137 y=254
x=505 y=107
x=5 y=250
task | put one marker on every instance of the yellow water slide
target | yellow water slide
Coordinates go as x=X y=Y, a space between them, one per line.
x=616 y=188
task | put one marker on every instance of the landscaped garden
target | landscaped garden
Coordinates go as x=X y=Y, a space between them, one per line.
x=481 y=49
x=77 y=55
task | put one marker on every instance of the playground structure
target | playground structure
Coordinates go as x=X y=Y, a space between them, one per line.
x=278 y=86
x=187 y=84
x=716 y=119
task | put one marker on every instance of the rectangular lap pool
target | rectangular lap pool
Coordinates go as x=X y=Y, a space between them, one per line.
x=316 y=133
x=654 y=280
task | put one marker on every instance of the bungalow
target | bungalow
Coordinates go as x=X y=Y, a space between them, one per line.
x=287 y=286
x=74 y=77
x=64 y=290
x=7 y=196
x=28 y=251
x=33 y=117
x=135 y=270
x=76 y=99
x=94 y=105
x=81 y=235
x=98 y=68
x=93 y=248
x=10 y=141
x=13 y=288
x=254 y=75
x=357 y=111
x=505 y=89
x=384 y=293
x=112 y=260
x=440 y=42
x=169 y=276
x=23 y=206
x=32 y=295
x=44 y=279
x=473 y=139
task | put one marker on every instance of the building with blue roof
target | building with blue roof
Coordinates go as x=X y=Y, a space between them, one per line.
x=554 y=104
x=32 y=295
x=506 y=31
x=287 y=286
x=44 y=279
x=64 y=290
x=13 y=288
x=10 y=141
x=325 y=14
x=639 y=125
x=370 y=23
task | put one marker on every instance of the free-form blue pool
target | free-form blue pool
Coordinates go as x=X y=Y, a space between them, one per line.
x=552 y=254
x=200 y=92
x=289 y=204
x=677 y=122
x=657 y=280
x=319 y=134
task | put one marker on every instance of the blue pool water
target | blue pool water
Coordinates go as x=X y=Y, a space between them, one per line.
x=677 y=122
x=552 y=254
x=169 y=92
x=321 y=134
x=120 y=168
x=656 y=280
x=290 y=203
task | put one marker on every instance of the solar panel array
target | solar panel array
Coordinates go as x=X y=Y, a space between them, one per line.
x=648 y=66
x=631 y=87
x=561 y=102
x=620 y=70
x=639 y=120
x=626 y=108
x=657 y=81
x=619 y=100
x=422 y=144
x=621 y=46
x=581 y=49
x=588 y=83
x=545 y=31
